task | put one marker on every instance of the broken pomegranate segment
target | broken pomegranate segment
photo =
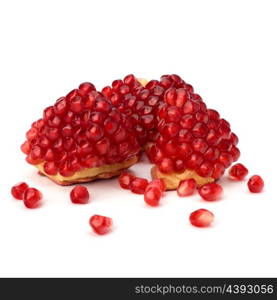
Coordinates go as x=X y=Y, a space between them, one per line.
x=80 y=138
x=192 y=141
x=211 y=191
x=18 y=190
x=100 y=224
x=79 y=195
x=255 y=184
x=201 y=218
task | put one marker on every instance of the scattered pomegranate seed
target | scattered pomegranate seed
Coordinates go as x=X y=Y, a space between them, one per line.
x=238 y=172
x=158 y=183
x=125 y=180
x=152 y=196
x=79 y=195
x=201 y=218
x=18 y=190
x=255 y=184
x=32 y=198
x=138 y=185
x=100 y=224
x=211 y=191
x=186 y=187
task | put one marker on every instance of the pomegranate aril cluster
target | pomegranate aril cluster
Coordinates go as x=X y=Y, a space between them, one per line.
x=140 y=102
x=81 y=130
x=190 y=136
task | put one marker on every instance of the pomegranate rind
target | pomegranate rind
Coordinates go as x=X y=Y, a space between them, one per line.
x=91 y=174
x=173 y=180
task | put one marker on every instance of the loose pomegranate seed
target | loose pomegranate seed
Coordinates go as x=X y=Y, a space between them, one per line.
x=255 y=184
x=79 y=195
x=138 y=185
x=201 y=218
x=32 y=198
x=238 y=172
x=125 y=180
x=158 y=183
x=100 y=224
x=186 y=187
x=211 y=191
x=152 y=196
x=18 y=190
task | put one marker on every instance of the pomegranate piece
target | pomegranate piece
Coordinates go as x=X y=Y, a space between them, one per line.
x=186 y=187
x=18 y=190
x=81 y=130
x=79 y=195
x=201 y=218
x=100 y=224
x=211 y=191
x=152 y=196
x=138 y=185
x=238 y=172
x=125 y=180
x=255 y=184
x=32 y=198
x=190 y=136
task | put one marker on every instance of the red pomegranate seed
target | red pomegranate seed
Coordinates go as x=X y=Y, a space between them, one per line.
x=255 y=184
x=211 y=191
x=32 y=198
x=201 y=218
x=125 y=180
x=157 y=183
x=79 y=195
x=18 y=190
x=25 y=147
x=138 y=185
x=186 y=187
x=166 y=165
x=238 y=172
x=100 y=224
x=87 y=87
x=152 y=196
x=50 y=168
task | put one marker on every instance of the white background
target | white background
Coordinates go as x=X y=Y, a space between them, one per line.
x=226 y=49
